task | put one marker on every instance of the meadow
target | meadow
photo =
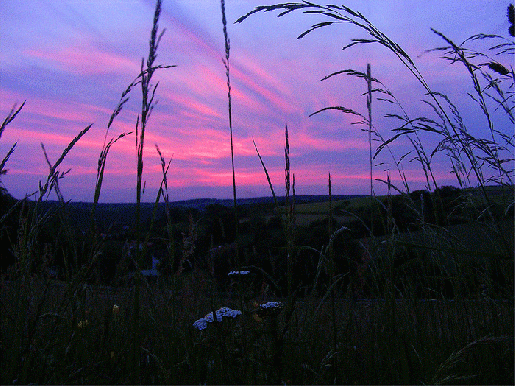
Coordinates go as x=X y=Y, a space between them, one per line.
x=411 y=287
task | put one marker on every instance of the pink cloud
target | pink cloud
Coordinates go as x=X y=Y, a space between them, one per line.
x=249 y=65
x=86 y=60
x=306 y=141
x=189 y=106
x=277 y=102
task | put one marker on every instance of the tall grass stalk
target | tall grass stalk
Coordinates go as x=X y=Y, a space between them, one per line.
x=267 y=175
x=148 y=92
x=8 y=119
x=227 y=66
x=370 y=158
x=332 y=274
x=289 y=216
x=100 y=173
x=288 y=221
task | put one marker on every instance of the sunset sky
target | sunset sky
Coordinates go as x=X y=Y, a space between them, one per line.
x=71 y=60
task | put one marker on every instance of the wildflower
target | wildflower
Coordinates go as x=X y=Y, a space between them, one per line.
x=201 y=324
x=82 y=323
x=238 y=273
x=270 y=305
x=266 y=309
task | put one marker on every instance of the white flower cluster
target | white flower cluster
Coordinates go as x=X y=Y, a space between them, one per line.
x=238 y=273
x=271 y=305
x=201 y=324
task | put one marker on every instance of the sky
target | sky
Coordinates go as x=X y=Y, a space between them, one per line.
x=70 y=60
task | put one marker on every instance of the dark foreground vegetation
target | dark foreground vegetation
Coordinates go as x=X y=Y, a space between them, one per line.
x=414 y=287
x=432 y=305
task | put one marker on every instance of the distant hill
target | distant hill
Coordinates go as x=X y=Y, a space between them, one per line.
x=202 y=203
x=124 y=214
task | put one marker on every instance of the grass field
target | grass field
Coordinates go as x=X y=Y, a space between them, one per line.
x=400 y=342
